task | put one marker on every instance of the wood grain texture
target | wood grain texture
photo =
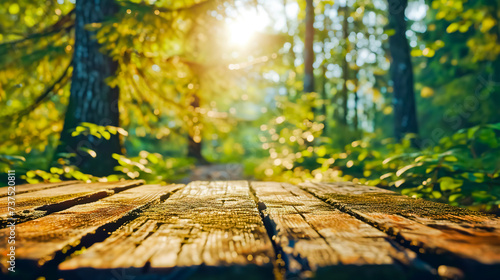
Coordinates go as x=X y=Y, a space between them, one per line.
x=240 y=230
x=35 y=187
x=467 y=239
x=207 y=229
x=317 y=240
x=39 y=241
x=32 y=205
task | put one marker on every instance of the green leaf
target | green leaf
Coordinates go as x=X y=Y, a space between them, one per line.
x=387 y=160
x=387 y=175
x=154 y=159
x=448 y=183
x=321 y=151
x=55 y=170
x=106 y=135
x=472 y=131
x=436 y=194
x=399 y=183
x=450 y=158
x=488 y=136
x=406 y=168
x=453 y=27
x=495 y=126
x=454 y=197
x=122 y=131
x=479 y=177
x=111 y=129
x=390 y=32
x=12 y=158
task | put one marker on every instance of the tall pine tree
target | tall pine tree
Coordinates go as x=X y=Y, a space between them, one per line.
x=405 y=115
x=91 y=99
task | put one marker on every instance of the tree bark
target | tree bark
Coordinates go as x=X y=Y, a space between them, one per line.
x=405 y=115
x=345 y=66
x=324 y=97
x=308 y=48
x=194 y=150
x=356 y=103
x=195 y=147
x=91 y=99
x=293 y=56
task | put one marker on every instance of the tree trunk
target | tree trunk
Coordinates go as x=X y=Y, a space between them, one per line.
x=195 y=145
x=356 y=103
x=345 y=66
x=194 y=150
x=308 y=48
x=91 y=99
x=324 y=97
x=405 y=116
x=293 y=56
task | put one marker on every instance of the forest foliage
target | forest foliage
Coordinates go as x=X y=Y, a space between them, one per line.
x=222 y=81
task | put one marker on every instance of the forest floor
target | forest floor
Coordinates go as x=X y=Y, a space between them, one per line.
x=221 y=172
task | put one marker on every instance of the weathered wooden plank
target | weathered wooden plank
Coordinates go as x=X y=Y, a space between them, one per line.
x=317 y=240
x=210 y=230
x=41 y=240
x=467 y=239
x=31 y=205
x=34 y=187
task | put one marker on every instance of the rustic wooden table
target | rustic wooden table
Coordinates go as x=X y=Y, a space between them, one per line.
x=241 y=230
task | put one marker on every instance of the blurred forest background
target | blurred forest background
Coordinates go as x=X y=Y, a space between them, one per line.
x=394 y=93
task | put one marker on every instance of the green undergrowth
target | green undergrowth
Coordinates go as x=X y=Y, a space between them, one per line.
x=462 y=169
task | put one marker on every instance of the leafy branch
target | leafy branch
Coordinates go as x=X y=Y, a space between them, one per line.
x=54 y=87
x=60 y=25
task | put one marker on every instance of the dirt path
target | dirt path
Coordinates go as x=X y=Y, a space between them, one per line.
x=219 y=172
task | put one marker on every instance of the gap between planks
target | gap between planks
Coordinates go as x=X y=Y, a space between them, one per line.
x=457 y=242
x=311 y=236
x=209 y=230
x=316 y=240
x=194 y=233
x=4 y=191
x=43 y=242
x=38 y=203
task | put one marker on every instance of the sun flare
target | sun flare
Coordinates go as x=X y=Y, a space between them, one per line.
x=244 y=28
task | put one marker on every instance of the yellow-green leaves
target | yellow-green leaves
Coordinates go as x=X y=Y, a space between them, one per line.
x=426 y=92
x=448 y=183
x=406 y=168
x=98 y=131
x=14 y=9
x=459 y=26
x=452 y=27
x=487 y=24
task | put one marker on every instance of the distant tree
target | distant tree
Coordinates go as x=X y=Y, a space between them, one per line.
x=308 y=48
x=405 y=116
x=345 y=64
x=194 y=136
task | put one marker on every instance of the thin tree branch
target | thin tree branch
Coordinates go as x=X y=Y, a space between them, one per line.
x=56 y=27
x=161 y=96
x=41 y=97
x=167 y=10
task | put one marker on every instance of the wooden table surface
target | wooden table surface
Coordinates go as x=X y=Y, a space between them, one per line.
x=241 y=230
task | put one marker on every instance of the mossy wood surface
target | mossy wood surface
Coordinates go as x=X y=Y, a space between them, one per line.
x=47 y=238
x=315 y=238
x=244 y=230
x=35 y=204
x=440 y=233
x=34 y=187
